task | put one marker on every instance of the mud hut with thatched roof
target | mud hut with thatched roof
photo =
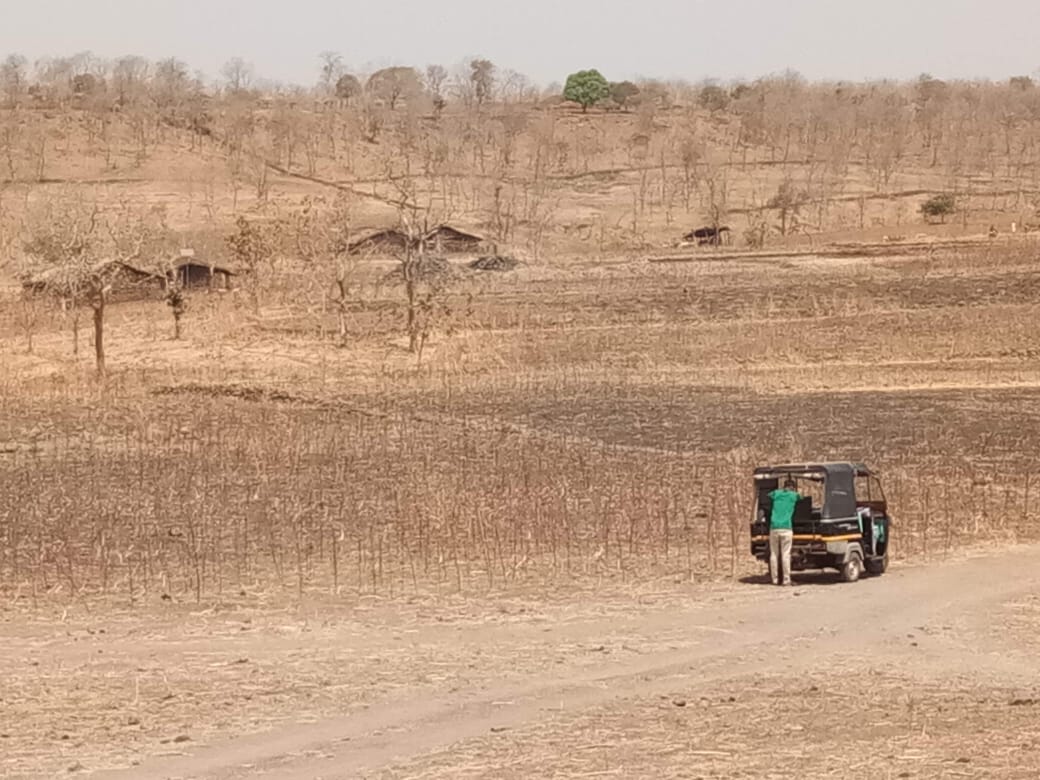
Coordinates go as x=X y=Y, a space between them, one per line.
x=385 y=242
x=445 y=239
x=122 y=281
x=441 y=240
x=192 y=273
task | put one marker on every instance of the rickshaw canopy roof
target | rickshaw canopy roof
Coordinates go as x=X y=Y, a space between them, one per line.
x=839 y=486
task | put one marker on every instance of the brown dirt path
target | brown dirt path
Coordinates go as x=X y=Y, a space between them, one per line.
x=935 y=621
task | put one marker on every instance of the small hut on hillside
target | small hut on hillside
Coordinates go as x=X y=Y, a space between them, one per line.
x=390 y=241
x=191 y=273
x=121 y=280
x=445 y=239
x=441 y=240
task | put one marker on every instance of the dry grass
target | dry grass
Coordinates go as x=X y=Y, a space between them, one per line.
x=602 y=432
x=770 y=727
x=578 y=432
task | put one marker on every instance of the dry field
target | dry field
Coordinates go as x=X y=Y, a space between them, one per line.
x=251 y=532
x=263 y=550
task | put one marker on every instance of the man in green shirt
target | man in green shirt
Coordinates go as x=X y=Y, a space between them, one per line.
x=781 y=531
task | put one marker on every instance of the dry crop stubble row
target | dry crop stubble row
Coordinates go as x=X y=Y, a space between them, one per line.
x=203 y=498
x=198 y=498
x=734 y=293
x=615 y=446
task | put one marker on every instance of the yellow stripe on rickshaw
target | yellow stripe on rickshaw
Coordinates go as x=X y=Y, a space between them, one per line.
x=812 y=538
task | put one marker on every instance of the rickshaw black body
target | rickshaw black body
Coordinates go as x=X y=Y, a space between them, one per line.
x=850 y=532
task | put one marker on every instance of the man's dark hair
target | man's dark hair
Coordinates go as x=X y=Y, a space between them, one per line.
x=790 y=484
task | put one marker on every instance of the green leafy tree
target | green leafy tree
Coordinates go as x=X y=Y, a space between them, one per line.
x=939 y=206
x=587 y=88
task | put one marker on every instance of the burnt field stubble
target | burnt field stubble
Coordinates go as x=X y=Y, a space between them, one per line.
x=615 y=446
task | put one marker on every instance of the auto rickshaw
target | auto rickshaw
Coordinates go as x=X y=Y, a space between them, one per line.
x=841 y=521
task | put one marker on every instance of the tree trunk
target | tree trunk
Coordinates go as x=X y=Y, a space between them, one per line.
x=99 y=333
x=341 y=285
x=75 y=332
x=411 y=293
x=176 y=327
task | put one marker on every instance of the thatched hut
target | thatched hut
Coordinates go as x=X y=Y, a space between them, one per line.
x=445 y=239
x=121 y=280
x=390 y=241
x=441 y=240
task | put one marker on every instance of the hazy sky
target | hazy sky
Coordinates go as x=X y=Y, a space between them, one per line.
x=546 y=39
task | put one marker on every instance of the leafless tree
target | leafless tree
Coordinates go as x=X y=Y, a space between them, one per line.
x=14 y=79
x=515 y=87
x=331 y=70
x=320 y=233
x=238 y=75
x=348 y=87
x=482 y=74
x=172 y=89
x=76 y=252
x=254 y=249
x=436 y=76
x=394 y=85
x=129 y=80
x=12 y=135
x=425 y=285
x=177 y=300
x=788 y=202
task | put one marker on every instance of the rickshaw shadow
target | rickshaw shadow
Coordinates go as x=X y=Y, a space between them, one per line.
x=798 y=578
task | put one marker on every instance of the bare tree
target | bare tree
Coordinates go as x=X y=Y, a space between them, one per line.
x=348 y=87
x=462 y=87
x=788 y=202
x=12 y=133
x=129 y=79
x=394 y=85
x=171 y=88
x=716 y=194
x=254 y=249
x=177 y=299
x=76 y=254
x=425 y=281
x=331 y=70
x=515 y=87
x=482 y=74
x=320 y=233
x=436 y=76
x=54 y=79
x=238 y=75
x=14 y=79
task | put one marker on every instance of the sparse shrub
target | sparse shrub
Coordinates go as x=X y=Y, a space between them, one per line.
x=622 y=93
x=482 y=77
x=788 y=202
x=713 y=98
x=939 y=207
x=756 y=231
x=177 y=300
x=347 y=87
x=394 y=85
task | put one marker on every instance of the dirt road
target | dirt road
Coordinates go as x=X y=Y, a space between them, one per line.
x=955 y=623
